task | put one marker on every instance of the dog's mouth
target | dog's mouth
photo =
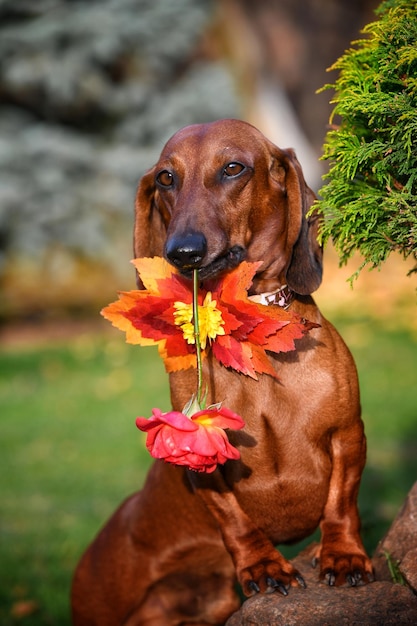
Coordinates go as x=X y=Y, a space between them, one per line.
x=221 y=264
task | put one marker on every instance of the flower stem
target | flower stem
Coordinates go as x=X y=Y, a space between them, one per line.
x=197 y=338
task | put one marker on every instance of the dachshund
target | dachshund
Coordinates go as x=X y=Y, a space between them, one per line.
x=172 y=553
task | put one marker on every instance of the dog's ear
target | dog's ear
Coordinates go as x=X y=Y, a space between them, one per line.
x=149 y=230
x=304 y=272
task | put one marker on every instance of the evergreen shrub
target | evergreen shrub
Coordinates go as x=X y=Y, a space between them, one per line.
x=369 y=199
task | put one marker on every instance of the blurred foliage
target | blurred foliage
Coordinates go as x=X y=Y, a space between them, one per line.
x=90 y=92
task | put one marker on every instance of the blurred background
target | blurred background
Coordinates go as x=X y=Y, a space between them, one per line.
x=89 y=93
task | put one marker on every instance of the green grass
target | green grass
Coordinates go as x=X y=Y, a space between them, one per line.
x=70 y=451
x=387 y=365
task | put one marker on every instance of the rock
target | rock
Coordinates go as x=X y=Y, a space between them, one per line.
x=399 y=540
x=380 y=603
x=384 y=602
x=408 y=569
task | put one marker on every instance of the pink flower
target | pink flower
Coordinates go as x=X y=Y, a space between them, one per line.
x=198 y=442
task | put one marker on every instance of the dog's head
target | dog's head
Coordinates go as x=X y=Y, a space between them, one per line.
x=220 y=193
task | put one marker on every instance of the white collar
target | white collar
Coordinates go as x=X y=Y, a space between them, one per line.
x=283 y=296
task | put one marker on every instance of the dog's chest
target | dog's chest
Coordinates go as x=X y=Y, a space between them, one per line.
x=287 y=507
x=281 y=481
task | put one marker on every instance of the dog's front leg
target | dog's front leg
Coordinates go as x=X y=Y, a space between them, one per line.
x=259 y=566
x=341 y=553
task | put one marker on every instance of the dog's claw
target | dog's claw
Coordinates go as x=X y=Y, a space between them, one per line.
x=354 y=578
x=301 y=581
x=330 y=578
x=271 y=583
x=281 y=588
x=314 y=562
x=253 y=586
x=274 y=584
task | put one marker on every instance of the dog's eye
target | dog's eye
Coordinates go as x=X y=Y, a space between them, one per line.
x=165 y=178
x=233 y=169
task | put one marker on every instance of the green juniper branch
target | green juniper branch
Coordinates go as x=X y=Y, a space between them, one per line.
x=369 y=199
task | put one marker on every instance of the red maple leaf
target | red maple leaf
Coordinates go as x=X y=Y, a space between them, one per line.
x=246 y=332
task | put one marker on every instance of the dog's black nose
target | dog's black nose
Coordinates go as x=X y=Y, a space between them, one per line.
x=186 y=251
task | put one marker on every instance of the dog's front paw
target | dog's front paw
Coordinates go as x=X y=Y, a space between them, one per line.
x=342 y=568
x=269 y=575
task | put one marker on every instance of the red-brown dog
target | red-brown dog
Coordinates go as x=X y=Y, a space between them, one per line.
x=171 y=554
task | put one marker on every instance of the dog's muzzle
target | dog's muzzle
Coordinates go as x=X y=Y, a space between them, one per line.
x=187 y=253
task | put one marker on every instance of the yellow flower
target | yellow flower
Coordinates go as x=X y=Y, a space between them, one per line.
x=210 y=320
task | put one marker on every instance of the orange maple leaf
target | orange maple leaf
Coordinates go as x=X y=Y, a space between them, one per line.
x=242 y=331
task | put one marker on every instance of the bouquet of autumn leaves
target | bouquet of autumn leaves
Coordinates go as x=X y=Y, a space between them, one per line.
x=186 y=321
